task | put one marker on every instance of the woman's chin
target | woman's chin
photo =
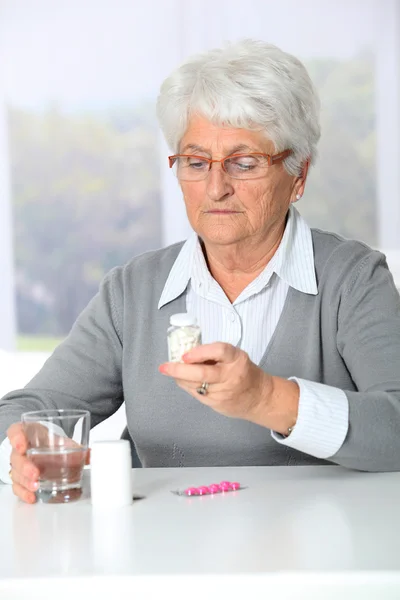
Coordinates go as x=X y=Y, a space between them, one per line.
x=221 y=236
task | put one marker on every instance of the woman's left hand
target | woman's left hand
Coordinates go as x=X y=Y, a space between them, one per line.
x=236 y=386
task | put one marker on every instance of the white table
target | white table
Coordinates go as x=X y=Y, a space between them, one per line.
x=294 y=529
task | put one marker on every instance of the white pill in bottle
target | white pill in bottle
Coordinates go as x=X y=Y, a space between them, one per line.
x=183 y=335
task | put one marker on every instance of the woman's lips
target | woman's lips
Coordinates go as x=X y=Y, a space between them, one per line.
x=224 y=212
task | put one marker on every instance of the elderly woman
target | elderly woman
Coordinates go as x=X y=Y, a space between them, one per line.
x=300 y=361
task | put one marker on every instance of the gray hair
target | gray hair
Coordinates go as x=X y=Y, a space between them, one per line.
x=248 y=84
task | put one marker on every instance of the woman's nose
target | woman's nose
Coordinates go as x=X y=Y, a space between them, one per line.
x=219 y=184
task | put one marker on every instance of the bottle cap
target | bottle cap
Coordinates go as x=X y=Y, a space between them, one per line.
x=182 y=320
x=111 y=474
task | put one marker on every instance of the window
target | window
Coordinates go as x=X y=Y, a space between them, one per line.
x=84 y=168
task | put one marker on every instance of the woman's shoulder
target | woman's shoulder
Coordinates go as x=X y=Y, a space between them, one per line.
x=337 y=258
x=159 y=258
x=150 y=269
x=336 y=249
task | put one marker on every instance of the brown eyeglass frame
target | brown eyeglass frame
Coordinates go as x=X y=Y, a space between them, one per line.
x=272 y=159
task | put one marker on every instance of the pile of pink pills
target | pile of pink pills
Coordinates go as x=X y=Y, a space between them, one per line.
x=214 y=488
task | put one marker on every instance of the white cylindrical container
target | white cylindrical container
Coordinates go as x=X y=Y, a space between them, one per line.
x=183 y=335
x=111 y=474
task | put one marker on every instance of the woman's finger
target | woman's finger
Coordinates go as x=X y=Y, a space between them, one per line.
x=192 y=373
x=17 y=437
x=218 y=352
x=23 y=466
x=189 y=386
x=24 y=494
x=28 y=484
x=214 y=390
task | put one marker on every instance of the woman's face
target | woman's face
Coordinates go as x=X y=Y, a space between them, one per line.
x=223 y=210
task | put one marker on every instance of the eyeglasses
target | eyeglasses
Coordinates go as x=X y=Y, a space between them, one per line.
x=188 y=167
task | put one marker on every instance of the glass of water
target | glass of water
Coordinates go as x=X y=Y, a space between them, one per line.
x=58 y=442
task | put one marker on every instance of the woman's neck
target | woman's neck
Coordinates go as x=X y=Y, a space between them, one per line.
x=235 y=266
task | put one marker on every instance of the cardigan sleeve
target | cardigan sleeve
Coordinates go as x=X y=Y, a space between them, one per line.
x=322 y=421
x=368 y=339
x=84 y=372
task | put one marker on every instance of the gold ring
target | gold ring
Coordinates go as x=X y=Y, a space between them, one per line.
x=10 y=474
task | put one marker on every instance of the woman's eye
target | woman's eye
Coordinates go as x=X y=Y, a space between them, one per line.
x=244 y=163
x=246 y=166
x=197 y=164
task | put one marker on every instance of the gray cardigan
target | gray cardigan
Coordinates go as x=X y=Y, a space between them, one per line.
x=347 y=336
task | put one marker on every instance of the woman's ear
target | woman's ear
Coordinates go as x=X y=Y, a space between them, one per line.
x=300 y=184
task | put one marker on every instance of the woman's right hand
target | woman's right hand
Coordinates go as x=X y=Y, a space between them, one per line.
x=23 y=472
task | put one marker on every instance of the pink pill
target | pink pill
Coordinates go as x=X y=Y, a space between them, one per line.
x=203 y=490
x=225 y=486
x=235 y=485
x=192 y=491
x=214 y=488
